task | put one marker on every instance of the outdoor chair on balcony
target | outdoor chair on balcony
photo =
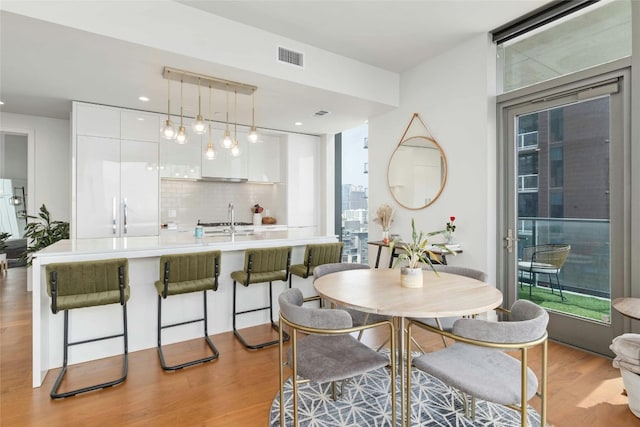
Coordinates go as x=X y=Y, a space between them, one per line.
x=543 y=259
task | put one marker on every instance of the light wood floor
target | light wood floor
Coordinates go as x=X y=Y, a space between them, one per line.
x=236 y=390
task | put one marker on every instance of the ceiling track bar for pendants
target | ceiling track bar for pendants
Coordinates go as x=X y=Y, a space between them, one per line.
x=206 y=81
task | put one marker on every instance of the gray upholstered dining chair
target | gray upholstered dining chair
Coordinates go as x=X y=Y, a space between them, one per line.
x=326 y=352
x=446 y=323
x=478 y=365
x=359 y=318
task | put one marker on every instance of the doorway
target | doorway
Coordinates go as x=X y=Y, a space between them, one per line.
x=564 y=171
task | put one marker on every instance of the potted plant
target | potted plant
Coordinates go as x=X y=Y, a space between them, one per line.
x=415 y=254
x=43 y=233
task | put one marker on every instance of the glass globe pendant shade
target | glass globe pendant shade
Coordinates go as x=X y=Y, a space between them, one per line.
x=199 y=126
x=181 y=137
x=168 y=131
x=253 y=135
x=227 y=142
x=235 y=150
x=210 y=153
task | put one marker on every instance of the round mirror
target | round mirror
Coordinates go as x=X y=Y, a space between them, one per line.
x=417 y=172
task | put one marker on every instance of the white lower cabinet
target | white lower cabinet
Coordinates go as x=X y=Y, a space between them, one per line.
x=116 y=187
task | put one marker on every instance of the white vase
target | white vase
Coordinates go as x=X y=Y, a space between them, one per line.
x=257 y=219
x=411 y=277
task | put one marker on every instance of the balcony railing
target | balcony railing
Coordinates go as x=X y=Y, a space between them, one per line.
x=588 y=268
x=528 y=140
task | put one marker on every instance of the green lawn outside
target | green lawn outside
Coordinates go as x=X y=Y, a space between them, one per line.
x=575 y=304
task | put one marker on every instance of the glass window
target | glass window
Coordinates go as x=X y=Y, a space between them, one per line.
x=556 y=166
x=528 y=164
x=556 y=125
x=596 y=35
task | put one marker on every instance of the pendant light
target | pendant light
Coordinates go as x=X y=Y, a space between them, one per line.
x=181 y=137
x=253 y=133
x=235 y=149
x=199 y=126
x=168 y=131
x=226 y=141
x=210 y=152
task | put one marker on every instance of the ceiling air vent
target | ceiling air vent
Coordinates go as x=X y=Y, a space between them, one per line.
x=320 y=113
x=290 y=57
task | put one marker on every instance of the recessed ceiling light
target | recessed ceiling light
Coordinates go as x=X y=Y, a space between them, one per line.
x=298 y=123
x=366 y=122
x=143 y=99
x=141 y=119
x=1 y=103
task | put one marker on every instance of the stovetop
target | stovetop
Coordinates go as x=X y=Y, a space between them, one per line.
x=221 y=224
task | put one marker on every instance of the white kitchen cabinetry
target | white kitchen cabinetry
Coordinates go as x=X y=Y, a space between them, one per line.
x=181 y=161
x=225 y=165
x=264 y=159
x=116 y=188
x=139 y=126
x=115 y=181
x=303 y=180
x=96 y=120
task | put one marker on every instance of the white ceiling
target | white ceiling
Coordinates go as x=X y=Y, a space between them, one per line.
x=43 y=66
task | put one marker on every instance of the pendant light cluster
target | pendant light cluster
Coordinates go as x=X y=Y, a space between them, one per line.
x=200 y=125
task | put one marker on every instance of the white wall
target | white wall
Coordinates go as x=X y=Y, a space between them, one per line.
x=49 y=161
x=454 y=94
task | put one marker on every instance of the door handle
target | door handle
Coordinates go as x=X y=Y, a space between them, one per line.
x=113 y=216
x=509 y=239
x=124 y=217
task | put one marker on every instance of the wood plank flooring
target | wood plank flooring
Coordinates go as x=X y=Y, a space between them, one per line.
x=236 y=390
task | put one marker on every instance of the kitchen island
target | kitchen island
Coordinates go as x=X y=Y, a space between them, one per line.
x=143 y=254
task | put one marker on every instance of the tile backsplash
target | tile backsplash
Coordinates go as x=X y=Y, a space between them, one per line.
x=207 y=201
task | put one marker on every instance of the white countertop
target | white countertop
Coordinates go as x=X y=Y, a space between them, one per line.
x=178 y=241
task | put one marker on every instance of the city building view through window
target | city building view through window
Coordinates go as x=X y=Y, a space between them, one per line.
x=355 y=203
x=563 y=201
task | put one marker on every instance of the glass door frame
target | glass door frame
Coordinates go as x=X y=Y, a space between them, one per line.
x=593 y=336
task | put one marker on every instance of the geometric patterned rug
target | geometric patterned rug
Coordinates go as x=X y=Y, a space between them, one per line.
x=366 y=402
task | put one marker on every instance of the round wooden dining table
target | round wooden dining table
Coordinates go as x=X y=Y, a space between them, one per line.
x=379 y=291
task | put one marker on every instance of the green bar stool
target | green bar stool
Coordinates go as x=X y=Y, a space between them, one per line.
x=180 y=274
x=261 y=265
x=315 y=255
x=74 y=285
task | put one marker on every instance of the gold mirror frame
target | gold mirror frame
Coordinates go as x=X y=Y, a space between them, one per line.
x=417 y=171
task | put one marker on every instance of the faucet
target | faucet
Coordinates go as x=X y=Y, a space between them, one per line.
x=231 y=216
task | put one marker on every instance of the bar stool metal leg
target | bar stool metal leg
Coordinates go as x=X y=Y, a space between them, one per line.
x=125 y=366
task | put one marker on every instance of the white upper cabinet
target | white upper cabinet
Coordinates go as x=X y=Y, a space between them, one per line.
x=96 y=120
x=139 y=126
x=181 y=161
x=225 y=165
x=264 y=159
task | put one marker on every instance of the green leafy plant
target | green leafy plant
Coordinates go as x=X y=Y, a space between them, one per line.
x=43 y=232
x=416 y=252
x=3 y=238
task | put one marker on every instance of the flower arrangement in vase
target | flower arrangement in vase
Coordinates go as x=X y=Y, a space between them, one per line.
x=450 y=228
x=384 y=217
x=415 y=253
